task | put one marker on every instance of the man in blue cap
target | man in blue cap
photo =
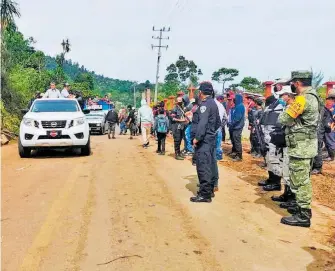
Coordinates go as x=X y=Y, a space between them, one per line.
x=206 y=122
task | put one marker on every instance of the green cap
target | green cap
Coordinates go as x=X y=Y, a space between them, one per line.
x=301 y=75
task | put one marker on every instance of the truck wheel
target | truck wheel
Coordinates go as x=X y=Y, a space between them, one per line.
x=86 y=151
x=24 y=152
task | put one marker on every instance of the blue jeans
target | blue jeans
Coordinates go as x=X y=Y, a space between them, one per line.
x=123 y=127
x=218 y=148
x=188 y=141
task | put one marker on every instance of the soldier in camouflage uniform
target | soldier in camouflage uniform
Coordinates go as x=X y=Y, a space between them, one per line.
x=301 y=120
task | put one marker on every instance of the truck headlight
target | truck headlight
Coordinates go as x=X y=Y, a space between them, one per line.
x=28 y=122
x=31 y=123
x=78 y=121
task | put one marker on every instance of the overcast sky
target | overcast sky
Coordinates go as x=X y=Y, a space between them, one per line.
x=265 y=39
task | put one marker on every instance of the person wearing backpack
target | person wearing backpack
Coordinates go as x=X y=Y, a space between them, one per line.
x=161 y=129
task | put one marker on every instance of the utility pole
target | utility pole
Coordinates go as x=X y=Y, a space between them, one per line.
x=134 y=96
x=159 y=46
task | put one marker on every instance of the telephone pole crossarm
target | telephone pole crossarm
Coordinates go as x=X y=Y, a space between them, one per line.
x=159 y=53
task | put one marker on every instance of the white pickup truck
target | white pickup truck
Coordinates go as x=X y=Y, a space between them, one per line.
x=54 y=123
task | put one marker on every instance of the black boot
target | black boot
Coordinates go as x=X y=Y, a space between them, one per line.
x=237 y=158
x=267 y=181
x=232 y=154
x=295 y=209
x=272 y=187
x=200 y=198
x=285 y=196
x=179 y=157
x=301 y=219
x=290 y=203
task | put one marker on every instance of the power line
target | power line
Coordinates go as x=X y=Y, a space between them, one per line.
x=159 y=46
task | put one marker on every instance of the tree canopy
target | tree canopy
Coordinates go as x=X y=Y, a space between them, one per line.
x=251 y=84
x=224 y=75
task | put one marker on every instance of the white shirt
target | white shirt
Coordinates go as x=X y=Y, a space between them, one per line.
x=65 y=93
x=222 y=110
x=52 y=94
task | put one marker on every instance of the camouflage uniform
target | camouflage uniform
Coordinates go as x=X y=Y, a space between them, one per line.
x=301 y=120
x=286 y=169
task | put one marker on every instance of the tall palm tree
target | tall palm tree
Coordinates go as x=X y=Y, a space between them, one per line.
x=9 y=10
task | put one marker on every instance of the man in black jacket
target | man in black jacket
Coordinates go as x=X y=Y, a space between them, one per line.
x=131 y=121
x=113 y=119
x=206 y=121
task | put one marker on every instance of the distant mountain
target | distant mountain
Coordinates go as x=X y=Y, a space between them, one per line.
x=102 y=84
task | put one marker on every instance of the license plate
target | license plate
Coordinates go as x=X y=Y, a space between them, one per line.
x=54 y=134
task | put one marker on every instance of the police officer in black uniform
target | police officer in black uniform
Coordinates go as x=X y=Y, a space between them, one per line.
x=206 y=121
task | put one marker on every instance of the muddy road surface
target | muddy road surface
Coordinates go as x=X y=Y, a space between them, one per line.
x=125 y=208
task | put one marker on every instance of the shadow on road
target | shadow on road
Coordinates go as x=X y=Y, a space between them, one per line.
x=264 y=197
x=192 y=185
x=47 y=154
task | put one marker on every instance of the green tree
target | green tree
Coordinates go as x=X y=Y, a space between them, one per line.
x=86 y=80
x=317 y=79
x=234 y=86
x=224 y=75
x=181 y=71
x=251 y=84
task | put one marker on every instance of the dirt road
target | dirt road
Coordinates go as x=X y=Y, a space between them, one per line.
x=125 y=208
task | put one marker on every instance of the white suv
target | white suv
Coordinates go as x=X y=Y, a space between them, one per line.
x=54 y=123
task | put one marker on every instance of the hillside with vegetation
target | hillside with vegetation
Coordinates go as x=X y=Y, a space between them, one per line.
x=26 y=70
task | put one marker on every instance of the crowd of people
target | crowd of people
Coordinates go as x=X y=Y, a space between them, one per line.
x=289 y=130
x=66 y=92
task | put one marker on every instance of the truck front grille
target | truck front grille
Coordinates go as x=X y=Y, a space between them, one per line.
x=54 y=124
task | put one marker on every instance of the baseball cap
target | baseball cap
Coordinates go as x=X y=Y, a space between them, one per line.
x=285 y=90
x=206 y=87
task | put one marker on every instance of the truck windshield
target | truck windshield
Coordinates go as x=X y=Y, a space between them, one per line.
x=55 y=106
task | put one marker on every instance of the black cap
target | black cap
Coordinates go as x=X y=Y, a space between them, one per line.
x=206 y=88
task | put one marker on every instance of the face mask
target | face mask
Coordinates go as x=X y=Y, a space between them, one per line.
x=282 y=102
x=293 y=88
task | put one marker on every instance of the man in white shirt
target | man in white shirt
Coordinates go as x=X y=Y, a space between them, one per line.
x=52 y=92
x=218 y=149
x=65 y=92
